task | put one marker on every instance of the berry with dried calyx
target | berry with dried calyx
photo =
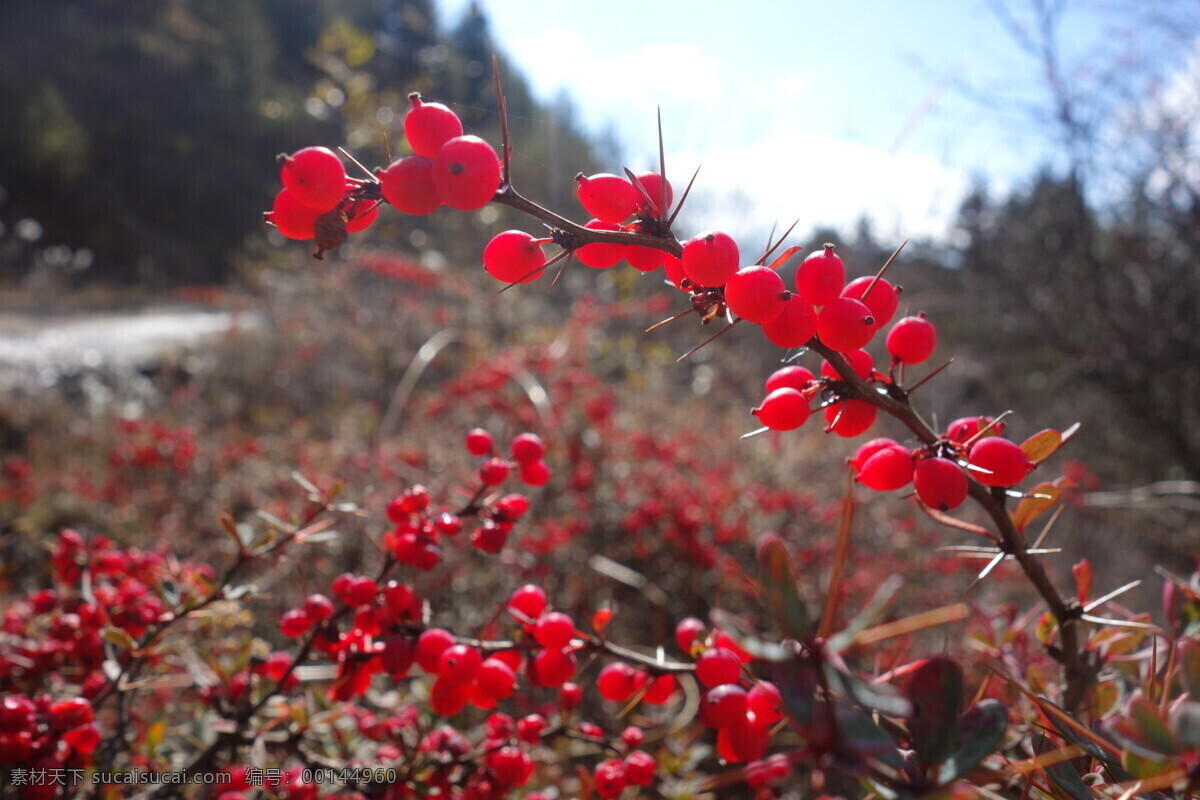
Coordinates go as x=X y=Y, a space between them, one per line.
x=315 y=176
x=428 y=126
x=999 y=462
x=711 y=259
x=821 y=276
x=292 y=218
x=912 y=340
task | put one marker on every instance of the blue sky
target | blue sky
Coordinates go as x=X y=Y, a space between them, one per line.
x=823 y=111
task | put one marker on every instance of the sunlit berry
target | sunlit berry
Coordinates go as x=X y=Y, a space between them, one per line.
x=912 y=340
x=888 y=469
x=845 y=324
x=428 y=126
x=529 y=600
x=849 y=418
x=607 y=197
x=554 y=630
x=783 y=410
x=794 y=326
x=717 y=666
x=292 y=218
x=659 y=191
x=756 y=294
x=315 y=176
x=940 y=483
x=860 y=361
x=466 y=172
x=601 y=255
x=514 y=257
x=821 y=276
x=999 y=462
x=408 y=185
x=478 y=442
x=793 y=376
x=882 y=298
x=711 y=259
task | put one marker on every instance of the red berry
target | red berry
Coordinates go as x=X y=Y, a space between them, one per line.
x=965 y=429
x=868 y=449
x=912 y=339
x=1005 y=463
x=821 y=277
x=783 y=410
x=496 y=679
x=766 y=702
x=315 y=176
x=361 y=591
x=292 y=218
x=883 y=298
x=859 y=360
x=551 y=668
x=428 y=126
x=71 y=713
x=447 y=699
x=529 y=600
x=361 y=214
x=514 y=257
x=408 y=185
x=601 y=255
x=610 y=779
x=674 y=269
x=490 y=537
x=633 y=736
x=744 y=740
x=644 y=259
x=845 y=324
x=607 y=197
x=616 y=682
x=397 y=657
x=711 y=259
x=430 y=646
x=889 y=469
x=466 y=172
x=527 y=447
x=688 y=631
x=654 y=185
x=640 y=767
x=535 y=473
x=940 y=483
x=493 y=472
x=849 y=418
x=554 y=630
x=295 y=622
x=570 y=696
x=756 y=294
x=479 y=442
x=660 y=691
x=724 y=704
x=790 y=377
x=717 y=666
x=794 y=326
x=459 y=663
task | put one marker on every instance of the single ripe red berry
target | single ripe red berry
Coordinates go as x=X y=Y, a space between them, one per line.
x=428 y=126
x=292 y=218
x=868 y=449
x=466 y=172
x=882 y=299
x=529 y=600
x=687 y=631
x=514 y=257
x=766 y=702
x=1000 y=462
x=554 y=631
x=794 y=326
x=674 y=269
x=570 y=695
x=821 y=276
x=789 y=377
x=640 y=767
x=610 y=779
x=912 y=339
x=531 y=726
x=361 y=214
x=448 y=699
x=496 y=679
x=756 y=294
x=315 y=176
x=845 y=324
x=783 y=410
x=744 y=740
x=724 y=705
x=607 y=197
x=711 y=259
x=859 y=360
x=600 y=255
x=551 y=668
x=717 y=666
x=654 y=184
x=507 y=766
x=458 y=664
x=527 y=447
x=535 y=473
x=408 y=185
x=888 y=469
x=398 y=656
x=660 y=691
x=430 y=646
x=294 y=622
x=318 y=607
x=849 y=418
x=479 y=442
x=940 y=483
x=616 y=682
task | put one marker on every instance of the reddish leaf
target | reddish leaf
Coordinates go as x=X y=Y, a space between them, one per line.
x=1040 y=500
x=1040 y=446
x=1083 y=579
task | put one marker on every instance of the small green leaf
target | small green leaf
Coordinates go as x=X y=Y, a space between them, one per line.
x=935 y=689
x=797 y=686
x=877 y=697
x=1143 y=766
x=119 y=637
x=980 y=732
x=779 y=588
x=1062 y=774
x=1145 y=729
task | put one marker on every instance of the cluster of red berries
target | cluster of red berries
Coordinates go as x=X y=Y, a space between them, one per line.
x=739 y=706
x=938 y=472
x=46 y=733
x=319 y=201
